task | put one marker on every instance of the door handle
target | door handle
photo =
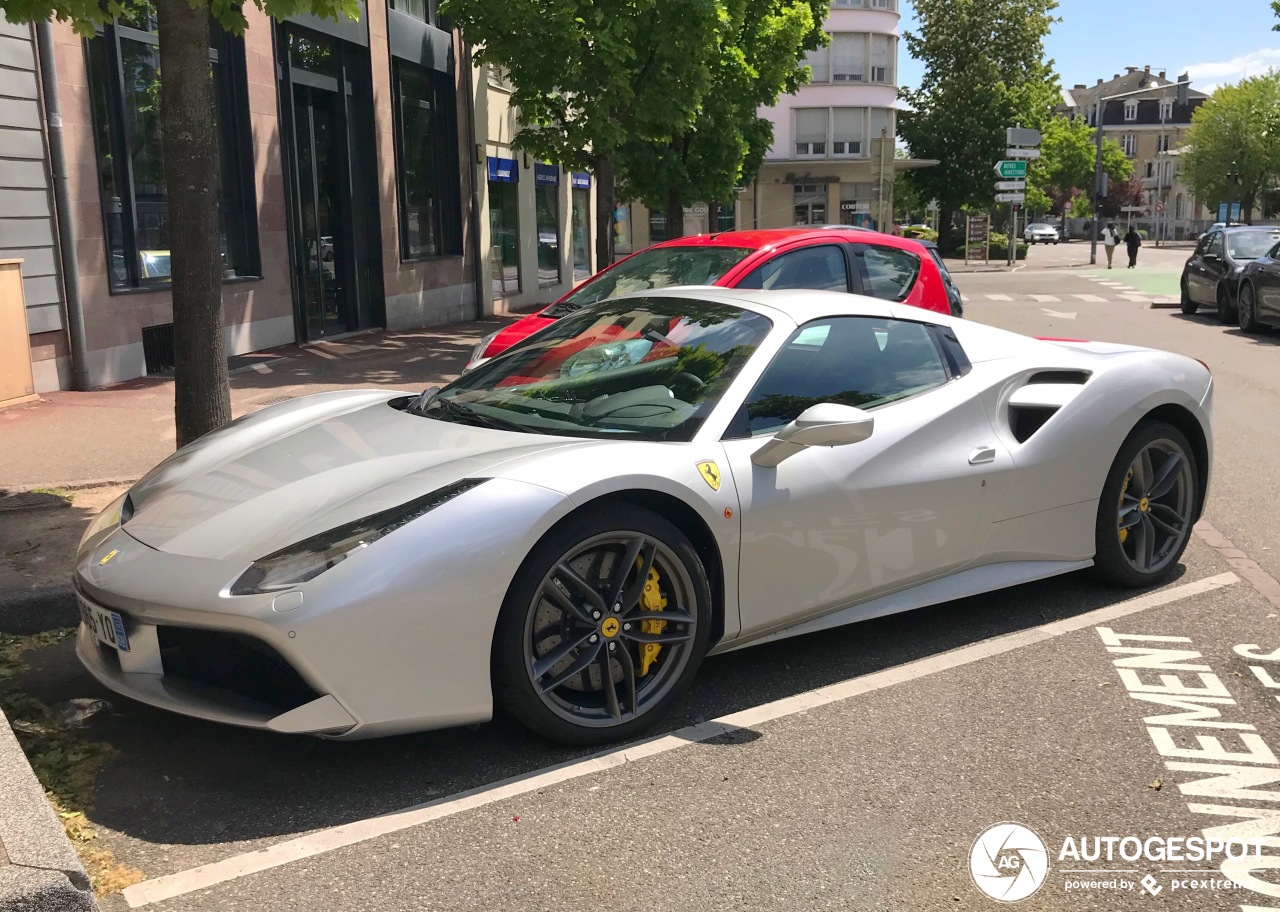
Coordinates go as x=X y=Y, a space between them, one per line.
x=983 y=454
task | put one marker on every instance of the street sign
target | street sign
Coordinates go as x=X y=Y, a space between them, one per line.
x=1022 y=136
x=1022 y=153
x=1011 y=168
x=1133 y=208
x=1159 y=207
x=1010 y=197
x=1011 y=185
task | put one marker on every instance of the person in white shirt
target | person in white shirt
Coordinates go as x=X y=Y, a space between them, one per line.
x=1109 y=239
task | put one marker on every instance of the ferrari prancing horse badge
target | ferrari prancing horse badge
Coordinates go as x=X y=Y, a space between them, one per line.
x=710 y=474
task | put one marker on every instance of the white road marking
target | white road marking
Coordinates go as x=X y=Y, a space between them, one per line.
x=1091 y=298
x=990 y=297
x=1144 y=298
x=1057 y=313
x=1044 y=299
x=322 y=841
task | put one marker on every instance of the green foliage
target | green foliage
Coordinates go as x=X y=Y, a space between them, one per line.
x=1000 y=247
x=1239 y=126
x=924 y=234
x=1067 y=155
x=86 y=15
x=984 y=71
x=758 y=54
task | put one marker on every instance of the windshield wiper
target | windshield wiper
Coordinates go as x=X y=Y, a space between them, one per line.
x=465 y=412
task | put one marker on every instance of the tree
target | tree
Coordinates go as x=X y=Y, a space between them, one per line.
x=589 y=76
x=1275 y=7
x=202 y=397
x=1237 y=129
x=984 y=71
x=1067 y=155
x=760 y=55
x=1128 y=192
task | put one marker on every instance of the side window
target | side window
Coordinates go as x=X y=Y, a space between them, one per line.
x=859 y=361
x=809 y=267
x=1217 y=243
x=887 y=272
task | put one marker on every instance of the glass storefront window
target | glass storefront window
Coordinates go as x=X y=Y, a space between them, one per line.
x=504 y=237
x=430 y=208
x=547 y=218
x=124 y=71
x=581 y=234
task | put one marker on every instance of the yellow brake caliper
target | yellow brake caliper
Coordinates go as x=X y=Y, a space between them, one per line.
x=651 y=599
x=1124 y=533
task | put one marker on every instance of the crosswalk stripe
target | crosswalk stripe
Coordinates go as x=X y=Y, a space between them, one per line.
x=1044 y=299
x=1091 y=298
x=1136 y=297
x=999 y=297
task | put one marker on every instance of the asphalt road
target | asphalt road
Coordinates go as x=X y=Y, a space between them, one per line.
x=862 y=795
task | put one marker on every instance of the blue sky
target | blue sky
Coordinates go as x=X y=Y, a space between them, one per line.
x=1218 y=41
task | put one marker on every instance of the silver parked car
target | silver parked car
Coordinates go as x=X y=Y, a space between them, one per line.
x=1041 y=233
x=568 y=529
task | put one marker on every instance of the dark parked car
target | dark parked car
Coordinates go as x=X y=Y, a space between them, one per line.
x=1259 y=291
x=1212 y=274
x=953 y=291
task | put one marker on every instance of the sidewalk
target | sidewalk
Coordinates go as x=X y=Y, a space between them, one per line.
x=72 y=439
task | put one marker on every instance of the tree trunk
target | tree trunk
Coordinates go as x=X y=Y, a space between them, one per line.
x=713 y=217
x=202 y=399
x=675 y=214
x=945 y=222
x=605 y=204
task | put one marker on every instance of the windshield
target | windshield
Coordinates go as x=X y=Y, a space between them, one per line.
x=659 y=267
x=1249 y=245
x=640 y=368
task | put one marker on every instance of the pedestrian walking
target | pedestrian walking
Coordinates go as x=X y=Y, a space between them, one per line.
x=1132 y=240
x=1110 y=237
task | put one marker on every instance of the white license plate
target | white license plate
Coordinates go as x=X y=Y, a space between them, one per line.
x=106 y=625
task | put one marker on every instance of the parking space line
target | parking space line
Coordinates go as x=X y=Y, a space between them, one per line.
x=170 y=886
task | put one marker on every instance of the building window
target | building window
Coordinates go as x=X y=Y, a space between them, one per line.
x=1129 y=142
x=1151 y=170
x=546 y=180
x=849 y=57
x=1162 y=145
x=657 y=226
x=883 y=51
x=580 y=182
x=418 y=9
x=811 y=132
x=880 y=123
x=1168 y=172
x=1166 y=109
x=818 y=62
x=1131 y=109
x=504 y=226
x=849 y=131
x=498 y=77
x=426 y=149
x=124 y=76
x=1177 y=206
x=809 y=202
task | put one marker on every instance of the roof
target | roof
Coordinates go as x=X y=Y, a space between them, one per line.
x=759 y=238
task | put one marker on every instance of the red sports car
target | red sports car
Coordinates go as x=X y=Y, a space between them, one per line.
x=836 y=259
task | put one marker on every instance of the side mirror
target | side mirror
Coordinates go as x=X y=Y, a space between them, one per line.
x=826 y=424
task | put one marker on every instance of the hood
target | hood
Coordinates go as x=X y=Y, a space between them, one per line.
x=300 y=468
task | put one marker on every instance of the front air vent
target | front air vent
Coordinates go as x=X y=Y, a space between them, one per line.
x=1059 y=376
x=1026 y=420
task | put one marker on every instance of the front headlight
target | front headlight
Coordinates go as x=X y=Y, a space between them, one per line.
x=478 y=352
x=307 y=559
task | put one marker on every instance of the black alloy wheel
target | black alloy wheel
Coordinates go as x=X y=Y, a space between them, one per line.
x=1149 y=502
x=1226 y=313
x=1247 y=312
x=1189 y=307
x=604 y=627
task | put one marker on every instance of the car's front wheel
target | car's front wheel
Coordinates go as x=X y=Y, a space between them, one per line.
x=1225 y=312
x=1189 y=306
x=1149 y=502
x=1247 y=312
x=603 y=628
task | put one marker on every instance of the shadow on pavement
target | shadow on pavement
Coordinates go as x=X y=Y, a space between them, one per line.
x=177 y=783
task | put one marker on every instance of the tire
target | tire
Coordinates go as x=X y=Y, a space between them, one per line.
x=1189 y=307
x=1161 y=521
x=1226 y=313
x=551 y=618
x=1247 y=311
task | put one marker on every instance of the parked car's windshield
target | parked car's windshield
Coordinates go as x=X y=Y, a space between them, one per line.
x=1249 y=245
x=660 y=267
x=649 y=368
x=1041 y=227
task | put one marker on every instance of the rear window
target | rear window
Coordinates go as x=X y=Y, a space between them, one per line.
x=887 y=272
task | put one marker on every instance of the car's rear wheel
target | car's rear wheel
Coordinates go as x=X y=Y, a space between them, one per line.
x=1189 y=306
x=1247 y=312
x=1149 y=502
x=604 y=627
x=1225 y=312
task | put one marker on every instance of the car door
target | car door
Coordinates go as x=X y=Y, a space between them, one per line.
x=828 y=527
x=821 y=266
x=1213 y=267
x=1266 y=282
x=1195 y=269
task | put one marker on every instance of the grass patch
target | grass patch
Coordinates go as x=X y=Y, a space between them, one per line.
x=65 y=493
x=67 y=763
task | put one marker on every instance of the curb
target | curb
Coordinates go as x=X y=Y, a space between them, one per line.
x=1165 y=302
x=39 y=869
x=27 y=611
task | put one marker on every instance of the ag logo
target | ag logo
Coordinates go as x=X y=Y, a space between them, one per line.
x=710 y=473
x=1008 y=862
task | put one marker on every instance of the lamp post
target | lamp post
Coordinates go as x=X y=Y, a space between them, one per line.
x=1233 y=178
